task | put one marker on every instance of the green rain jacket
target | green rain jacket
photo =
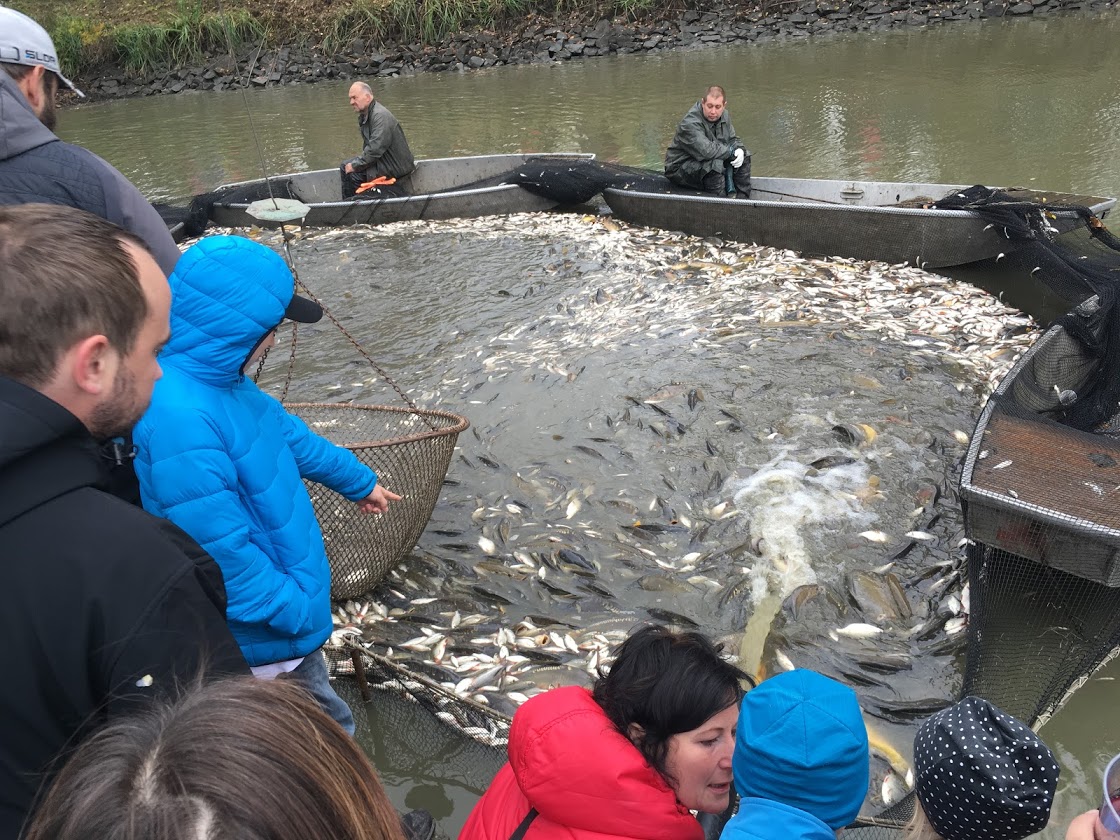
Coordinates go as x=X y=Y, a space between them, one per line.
x=385 y=150
x=700 y=147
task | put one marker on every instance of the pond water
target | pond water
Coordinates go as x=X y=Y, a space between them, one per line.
x=579 y=366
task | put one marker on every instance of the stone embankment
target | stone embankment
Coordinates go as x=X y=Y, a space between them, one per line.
x=543 y=42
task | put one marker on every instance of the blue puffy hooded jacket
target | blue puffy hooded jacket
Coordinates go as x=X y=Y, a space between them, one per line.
x=223 y=460
x=800 y=761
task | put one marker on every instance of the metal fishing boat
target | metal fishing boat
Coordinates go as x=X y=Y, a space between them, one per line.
x=870 y=220
x=440 y=188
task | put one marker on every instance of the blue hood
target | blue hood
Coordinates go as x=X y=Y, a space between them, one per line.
x=227 y=293
x=764 y=819
x=802 y=742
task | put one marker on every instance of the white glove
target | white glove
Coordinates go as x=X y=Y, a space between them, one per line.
x=738 y=159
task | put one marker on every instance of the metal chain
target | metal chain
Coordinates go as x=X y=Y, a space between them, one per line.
x=260 y=367
x=361 y=350
x=291 y=363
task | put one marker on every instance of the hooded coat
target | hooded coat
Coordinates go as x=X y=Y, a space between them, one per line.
x=700 y=147
x=225 y=462
x=584 y=778
x=103 y=605
x=801 y=759
x=35 y=166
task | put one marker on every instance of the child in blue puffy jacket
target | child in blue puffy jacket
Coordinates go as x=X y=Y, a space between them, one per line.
x=801 y=761
x=225 y=462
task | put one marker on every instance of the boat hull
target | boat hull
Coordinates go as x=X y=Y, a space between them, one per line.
x=432 y=187
x=834 y=218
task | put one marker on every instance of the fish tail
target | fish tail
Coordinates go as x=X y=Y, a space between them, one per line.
x=878 y=744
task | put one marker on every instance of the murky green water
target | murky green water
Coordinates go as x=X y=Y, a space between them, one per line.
x=1029 y=102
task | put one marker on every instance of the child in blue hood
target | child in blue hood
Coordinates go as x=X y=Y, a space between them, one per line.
x=225 y=462
x=800 y=762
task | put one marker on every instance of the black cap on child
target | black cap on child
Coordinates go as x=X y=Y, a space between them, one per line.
x=982 y=774
x=303 y=310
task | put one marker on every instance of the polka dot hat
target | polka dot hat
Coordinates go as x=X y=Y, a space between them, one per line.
x=982 y=774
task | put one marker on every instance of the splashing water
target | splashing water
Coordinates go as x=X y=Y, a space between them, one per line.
x=791 y=505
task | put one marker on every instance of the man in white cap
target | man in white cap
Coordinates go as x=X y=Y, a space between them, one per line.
x=36 y=166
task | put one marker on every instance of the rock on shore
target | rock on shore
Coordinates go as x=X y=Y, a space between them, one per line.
x=543 y=41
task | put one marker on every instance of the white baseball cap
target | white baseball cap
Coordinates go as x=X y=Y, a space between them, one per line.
x=23 y=41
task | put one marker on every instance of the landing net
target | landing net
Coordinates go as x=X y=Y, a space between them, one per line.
x=409 y=449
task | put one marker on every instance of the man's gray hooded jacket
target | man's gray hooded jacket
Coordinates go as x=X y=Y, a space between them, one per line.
x=36 y=166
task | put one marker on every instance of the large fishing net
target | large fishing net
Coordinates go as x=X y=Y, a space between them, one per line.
x=1041 y=482
x=566 y=181
x=1037 y=494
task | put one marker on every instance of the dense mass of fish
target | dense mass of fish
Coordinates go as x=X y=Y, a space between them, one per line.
x=687 y=430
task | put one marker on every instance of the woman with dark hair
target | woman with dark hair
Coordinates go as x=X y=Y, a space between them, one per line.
x=243 y=759
x=634 y=757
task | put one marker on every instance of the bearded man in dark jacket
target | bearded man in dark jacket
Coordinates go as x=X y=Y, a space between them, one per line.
x=103 y=606
x=385 y=153
x=706 y=154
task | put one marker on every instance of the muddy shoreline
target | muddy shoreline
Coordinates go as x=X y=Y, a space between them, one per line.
x=539 y=41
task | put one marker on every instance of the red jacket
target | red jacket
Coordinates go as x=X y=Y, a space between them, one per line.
x=585 y=779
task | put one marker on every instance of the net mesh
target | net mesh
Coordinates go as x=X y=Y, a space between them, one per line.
x=375 y=673
x=1038 y=494
x=576 y=182
x=1038 y=497
x=410 y=451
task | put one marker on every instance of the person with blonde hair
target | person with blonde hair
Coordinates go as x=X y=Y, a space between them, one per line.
x=242 y=758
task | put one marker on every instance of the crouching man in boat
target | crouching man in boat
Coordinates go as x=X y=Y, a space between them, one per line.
x=103 y=607
x=650 y=743
x=385 y=157
x=225 y=461
x=705 y=153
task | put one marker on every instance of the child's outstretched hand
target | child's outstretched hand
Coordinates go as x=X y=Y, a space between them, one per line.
x=378 y=500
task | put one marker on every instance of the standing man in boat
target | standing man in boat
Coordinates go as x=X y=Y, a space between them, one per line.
x=103 y=606
x=706 y=154
x=385 y=156
x=35 y=166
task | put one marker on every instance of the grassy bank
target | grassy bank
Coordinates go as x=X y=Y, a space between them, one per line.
x=142 y=35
